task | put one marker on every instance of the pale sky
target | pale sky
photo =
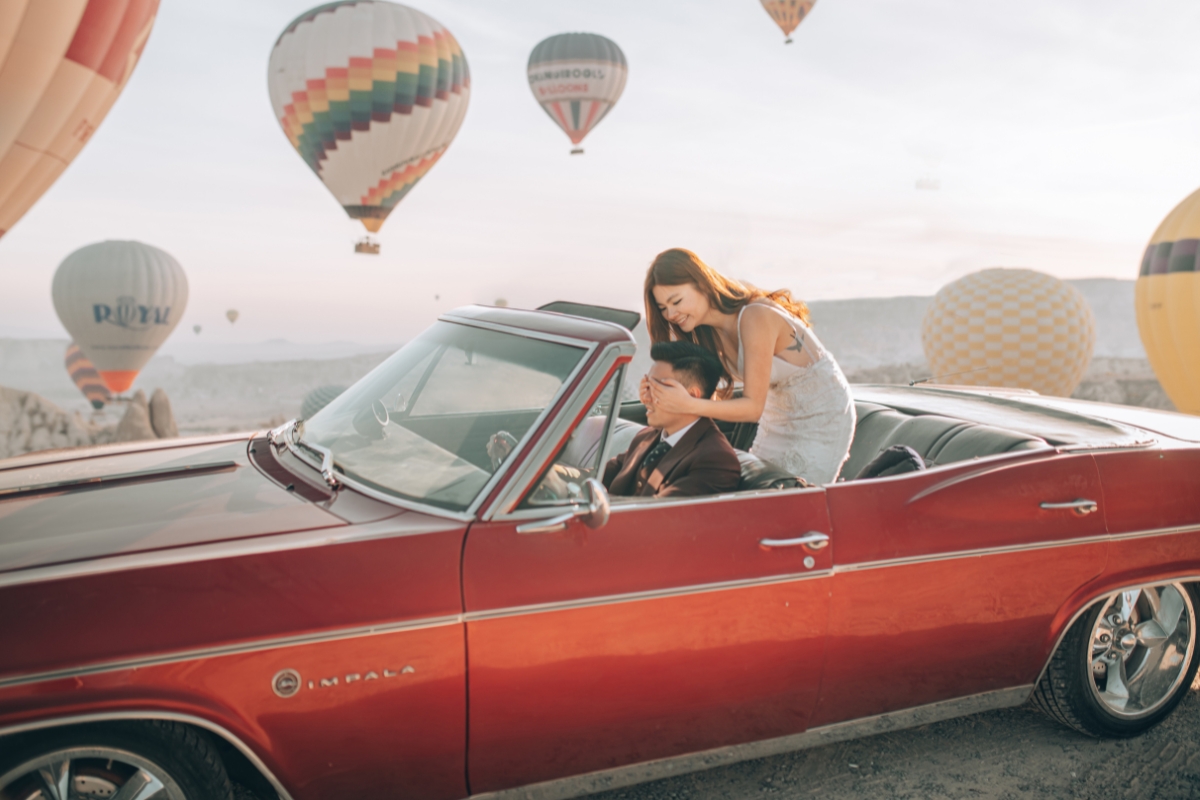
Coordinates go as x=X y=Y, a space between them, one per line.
x=1061 y=132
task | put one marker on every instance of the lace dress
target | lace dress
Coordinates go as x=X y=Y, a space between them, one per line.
x=808 y=420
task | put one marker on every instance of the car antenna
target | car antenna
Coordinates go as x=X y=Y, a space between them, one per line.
x=949 y=375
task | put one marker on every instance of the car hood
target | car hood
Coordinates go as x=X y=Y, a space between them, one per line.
x=81 y=504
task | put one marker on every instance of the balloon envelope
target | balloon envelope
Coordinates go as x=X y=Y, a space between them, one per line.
x=119 y=301
x=370 y=94
x=788 y=14
x=231 y=315
x=85 y=377
x=577 y=78
x=1015 y=328
x=62 y=65
x=1167 y=299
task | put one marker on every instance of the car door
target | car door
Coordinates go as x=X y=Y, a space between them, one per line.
x=670 y=630
x=948 y=581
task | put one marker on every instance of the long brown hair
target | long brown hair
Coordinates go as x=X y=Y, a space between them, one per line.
x=676 y=267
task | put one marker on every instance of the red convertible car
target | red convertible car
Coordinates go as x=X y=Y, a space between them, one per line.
x=422 y=592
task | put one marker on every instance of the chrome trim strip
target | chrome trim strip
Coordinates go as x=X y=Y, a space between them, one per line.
x=620 y=777
x=982 y=551
x=233 y=649
x=1172 y=531
x=138 y=476
x=187 y=719
x=1016 y=548
x=1091 y=602
x=649 y=594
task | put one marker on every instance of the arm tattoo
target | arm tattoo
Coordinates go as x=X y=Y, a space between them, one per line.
x=797 y=343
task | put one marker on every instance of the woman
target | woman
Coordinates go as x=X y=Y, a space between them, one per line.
x=791 y=386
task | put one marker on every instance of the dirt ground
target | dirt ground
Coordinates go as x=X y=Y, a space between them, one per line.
x=1016 y=753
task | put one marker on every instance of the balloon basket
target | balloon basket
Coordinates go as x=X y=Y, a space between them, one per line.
x=576 y=151
x=366 y=245
x=787 y=40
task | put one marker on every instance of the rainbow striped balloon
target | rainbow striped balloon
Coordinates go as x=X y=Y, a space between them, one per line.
x=86 y=377
x=577 y=78
x=63 y=63
x=370 y=94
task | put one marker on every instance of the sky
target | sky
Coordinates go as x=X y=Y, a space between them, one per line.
x=1059 y=132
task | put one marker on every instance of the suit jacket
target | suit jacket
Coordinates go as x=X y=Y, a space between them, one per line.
x=702 y=462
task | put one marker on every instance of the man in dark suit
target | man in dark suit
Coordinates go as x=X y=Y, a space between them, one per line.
x=679 y=455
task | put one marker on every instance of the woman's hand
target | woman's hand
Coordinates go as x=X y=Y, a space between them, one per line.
x=644 y=390
x=669 y=395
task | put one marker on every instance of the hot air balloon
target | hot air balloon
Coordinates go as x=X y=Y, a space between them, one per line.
x=85 y=377
x=577 y=78
x=62 y=65
x=119 y=301
x=370 y=94
x=231 y=315
x=788 y=14
x=1009 y=327
x=196 y=329
x=1167 y=298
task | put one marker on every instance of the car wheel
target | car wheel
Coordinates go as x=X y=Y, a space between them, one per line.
x=1125 y=664
x=121 y=761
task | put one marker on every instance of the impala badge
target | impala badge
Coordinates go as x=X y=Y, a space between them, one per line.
x=286 y=682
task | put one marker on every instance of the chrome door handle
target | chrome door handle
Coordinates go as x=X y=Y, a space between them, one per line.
x=552 y=525
x=813 y=540
x=1081 y=507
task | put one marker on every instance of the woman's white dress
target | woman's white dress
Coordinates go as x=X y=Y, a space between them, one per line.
x=808 y=420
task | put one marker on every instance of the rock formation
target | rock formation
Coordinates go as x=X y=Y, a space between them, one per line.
x=29 y=422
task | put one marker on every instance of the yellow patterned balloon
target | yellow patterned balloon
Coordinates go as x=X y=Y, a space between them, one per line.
x=1167 y=298
x=1015 y=328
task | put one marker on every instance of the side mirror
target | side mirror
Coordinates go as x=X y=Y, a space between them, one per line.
x=594 y=514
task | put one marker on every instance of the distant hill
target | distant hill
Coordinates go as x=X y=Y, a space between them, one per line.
x=875 y=332
x=224 y=387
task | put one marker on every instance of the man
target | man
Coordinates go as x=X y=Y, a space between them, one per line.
x=679 y=455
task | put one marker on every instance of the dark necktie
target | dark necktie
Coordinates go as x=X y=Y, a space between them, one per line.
x=652 y=458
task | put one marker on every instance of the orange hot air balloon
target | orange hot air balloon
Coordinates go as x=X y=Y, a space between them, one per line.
x=62 y=65
x=788 y=14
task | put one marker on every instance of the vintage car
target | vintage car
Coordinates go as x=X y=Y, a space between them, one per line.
x=423 y=592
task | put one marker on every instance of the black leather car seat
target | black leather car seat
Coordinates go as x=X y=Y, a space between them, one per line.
x=938 y=440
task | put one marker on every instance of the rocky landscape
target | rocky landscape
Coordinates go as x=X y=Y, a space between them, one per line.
x=254 y=386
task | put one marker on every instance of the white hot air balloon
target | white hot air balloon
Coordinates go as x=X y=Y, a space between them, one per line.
x=119 y=301
x=577 y=78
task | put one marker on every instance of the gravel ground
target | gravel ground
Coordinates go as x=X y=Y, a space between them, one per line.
x=1016 y=753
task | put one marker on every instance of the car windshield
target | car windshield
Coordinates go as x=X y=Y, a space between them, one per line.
x=438 y=418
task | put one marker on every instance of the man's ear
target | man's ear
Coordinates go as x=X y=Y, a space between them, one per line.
x=696 y=392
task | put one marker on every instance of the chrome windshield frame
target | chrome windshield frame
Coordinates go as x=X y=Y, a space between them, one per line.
x=286 y=432
x=616 y=356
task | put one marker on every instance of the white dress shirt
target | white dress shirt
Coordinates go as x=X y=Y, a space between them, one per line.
x=674 y=438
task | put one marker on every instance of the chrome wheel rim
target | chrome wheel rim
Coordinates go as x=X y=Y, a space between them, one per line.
x=1141 y=646
x=89 y=773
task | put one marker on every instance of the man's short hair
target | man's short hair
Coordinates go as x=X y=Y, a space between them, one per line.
x=695 y=365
